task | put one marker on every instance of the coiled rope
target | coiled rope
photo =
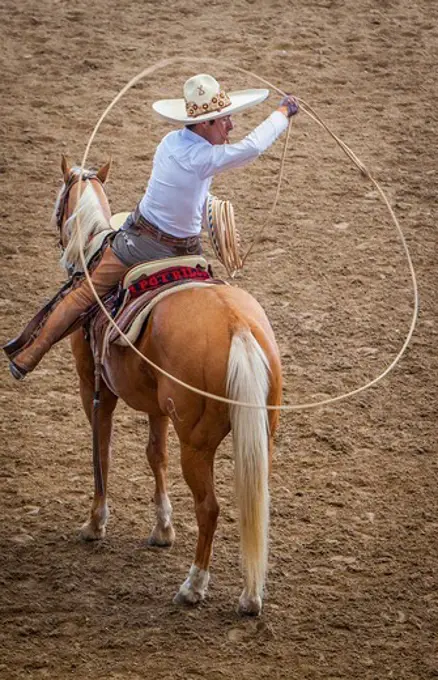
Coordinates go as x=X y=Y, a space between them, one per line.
x=311 y=113
x=223 y=234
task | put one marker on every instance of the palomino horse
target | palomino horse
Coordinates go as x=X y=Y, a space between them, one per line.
x=217 y=339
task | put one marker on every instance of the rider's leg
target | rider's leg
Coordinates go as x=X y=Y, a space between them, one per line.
x=106 y=275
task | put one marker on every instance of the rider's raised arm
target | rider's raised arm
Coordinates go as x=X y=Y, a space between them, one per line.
x=212 y=159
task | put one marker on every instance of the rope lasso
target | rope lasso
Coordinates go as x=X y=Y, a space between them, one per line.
x=309 y=111
x=223 y=234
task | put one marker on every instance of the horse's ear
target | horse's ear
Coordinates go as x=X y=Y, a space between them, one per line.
x=65 y=168
x=102 y=173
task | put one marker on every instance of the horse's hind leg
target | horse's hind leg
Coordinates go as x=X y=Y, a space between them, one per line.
x=162 y=534
x=95 y=527
x=197 y=467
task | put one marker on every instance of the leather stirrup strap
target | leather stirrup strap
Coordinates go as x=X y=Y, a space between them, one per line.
x=97 y=461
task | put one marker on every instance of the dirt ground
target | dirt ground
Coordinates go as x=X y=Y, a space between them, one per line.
x=352 y=588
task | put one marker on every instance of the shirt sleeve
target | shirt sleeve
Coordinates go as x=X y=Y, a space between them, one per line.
x=215 y=158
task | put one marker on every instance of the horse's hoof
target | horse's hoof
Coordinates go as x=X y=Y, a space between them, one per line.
x=90 y=533
x=249 y=605
x=188 y=598
x=193 y=590
x=161 y=538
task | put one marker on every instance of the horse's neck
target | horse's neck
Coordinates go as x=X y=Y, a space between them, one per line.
x=87 y=222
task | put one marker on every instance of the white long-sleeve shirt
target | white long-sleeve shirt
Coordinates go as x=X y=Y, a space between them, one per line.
x=183 y=169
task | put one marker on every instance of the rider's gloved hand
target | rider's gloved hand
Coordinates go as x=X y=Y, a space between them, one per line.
x=289 y=106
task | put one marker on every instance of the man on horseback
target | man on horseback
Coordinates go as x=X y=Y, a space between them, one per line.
x=167 y=221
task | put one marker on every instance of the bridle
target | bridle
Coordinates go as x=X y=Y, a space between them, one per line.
x=73 y=179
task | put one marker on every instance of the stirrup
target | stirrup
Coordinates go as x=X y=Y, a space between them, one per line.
x=17 y=372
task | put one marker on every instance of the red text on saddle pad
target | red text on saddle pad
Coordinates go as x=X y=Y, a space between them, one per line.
x=169 y=275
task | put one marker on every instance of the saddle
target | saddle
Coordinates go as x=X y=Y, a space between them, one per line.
x=142 y=287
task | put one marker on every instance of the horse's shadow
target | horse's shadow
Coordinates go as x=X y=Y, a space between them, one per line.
x=55 y=578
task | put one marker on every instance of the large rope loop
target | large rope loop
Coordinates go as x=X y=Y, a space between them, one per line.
x=311 y=113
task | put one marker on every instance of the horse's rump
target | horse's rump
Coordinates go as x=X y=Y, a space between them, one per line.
x=190 y=336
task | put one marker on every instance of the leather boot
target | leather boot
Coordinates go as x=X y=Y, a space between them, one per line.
x=62 y=317
x=106 y=275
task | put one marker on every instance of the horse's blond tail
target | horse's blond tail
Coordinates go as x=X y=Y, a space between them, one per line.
x=248 y=381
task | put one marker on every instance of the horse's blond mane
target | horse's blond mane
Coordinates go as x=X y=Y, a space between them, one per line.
x=91 y=222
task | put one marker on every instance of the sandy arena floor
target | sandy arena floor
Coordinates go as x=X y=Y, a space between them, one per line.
x=352 y=590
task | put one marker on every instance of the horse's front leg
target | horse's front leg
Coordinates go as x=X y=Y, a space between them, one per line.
x=162 y=534
x=197 y=467
x=95 y=527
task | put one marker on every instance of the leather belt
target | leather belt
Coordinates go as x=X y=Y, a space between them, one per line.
x=184 y=243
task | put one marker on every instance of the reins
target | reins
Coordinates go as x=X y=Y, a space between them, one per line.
x=311 y=113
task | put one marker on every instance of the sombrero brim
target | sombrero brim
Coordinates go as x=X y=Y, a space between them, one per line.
x=174 y=110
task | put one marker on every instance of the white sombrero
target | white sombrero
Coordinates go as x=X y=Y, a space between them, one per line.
x=205 y=100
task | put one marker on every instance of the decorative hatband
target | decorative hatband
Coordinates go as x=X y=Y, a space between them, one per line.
x=217 y=103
